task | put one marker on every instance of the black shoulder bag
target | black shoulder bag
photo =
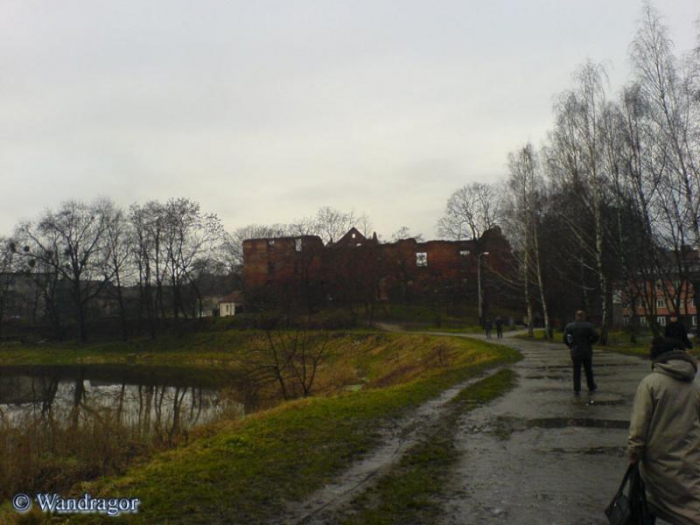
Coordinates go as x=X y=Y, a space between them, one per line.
x=630 y=509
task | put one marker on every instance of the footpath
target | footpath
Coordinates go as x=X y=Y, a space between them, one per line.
x=539 y=454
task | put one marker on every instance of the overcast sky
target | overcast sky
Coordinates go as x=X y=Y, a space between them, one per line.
x=264 y=111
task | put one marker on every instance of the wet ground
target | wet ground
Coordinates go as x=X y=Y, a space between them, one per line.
x=540 y=455
x=322 y=507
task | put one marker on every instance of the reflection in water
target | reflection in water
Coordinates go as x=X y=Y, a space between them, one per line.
x=64 y=424
x=148 y=401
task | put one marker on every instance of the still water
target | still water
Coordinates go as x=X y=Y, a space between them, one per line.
x=149 y=399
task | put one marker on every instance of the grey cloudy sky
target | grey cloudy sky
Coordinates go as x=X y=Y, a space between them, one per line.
x=264 y=110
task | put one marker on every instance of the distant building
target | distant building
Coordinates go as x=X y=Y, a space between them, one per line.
x=359 y=269
x=656 y=303
x=230 y=305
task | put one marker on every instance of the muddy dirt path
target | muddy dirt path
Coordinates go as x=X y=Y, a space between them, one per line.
x=404 y=434
x=540 y=455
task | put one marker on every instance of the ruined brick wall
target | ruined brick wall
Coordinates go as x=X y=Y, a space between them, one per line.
x=354 y=272
x=269 y=261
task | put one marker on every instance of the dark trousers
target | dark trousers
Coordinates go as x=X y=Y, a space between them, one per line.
x=587 y=362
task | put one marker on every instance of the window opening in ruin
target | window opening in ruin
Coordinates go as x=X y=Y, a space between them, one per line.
x=464 y=253
x=297 y=244
x=353 y=235
x=271 y=242
x=421 y=259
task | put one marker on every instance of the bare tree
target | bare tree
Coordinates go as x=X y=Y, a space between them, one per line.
x=575 y=167
x=7 y=270
x=231 y=248
x=521 y=209
x=148 y=254
x=470 y=211
x=405 y=233
x=673 y=111
x=71 y=242
x=289 y=359
x=118 y=257
x=190 y=236
x=332 y=224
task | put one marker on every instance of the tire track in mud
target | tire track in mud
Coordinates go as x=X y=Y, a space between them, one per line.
x=406 y=432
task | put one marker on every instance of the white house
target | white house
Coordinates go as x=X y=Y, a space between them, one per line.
x=228 y=305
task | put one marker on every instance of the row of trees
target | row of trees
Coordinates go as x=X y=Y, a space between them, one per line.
x=150 y=264
x=149 y=259
x=611 y=201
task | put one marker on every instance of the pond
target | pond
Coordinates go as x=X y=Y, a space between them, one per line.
x=60 y=425
x=146 y=399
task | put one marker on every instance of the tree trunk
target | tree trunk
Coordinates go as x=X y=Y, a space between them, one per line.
x=540 y=283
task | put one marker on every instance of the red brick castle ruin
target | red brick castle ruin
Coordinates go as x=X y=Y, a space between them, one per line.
x=356 y=269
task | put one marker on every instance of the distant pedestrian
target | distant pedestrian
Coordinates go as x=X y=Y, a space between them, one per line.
x=580 y=336
x=675 y=329
x=488 y=325
x=499 y=328
x=665 y=433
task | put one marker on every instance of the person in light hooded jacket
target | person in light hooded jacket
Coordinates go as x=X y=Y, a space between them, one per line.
x=665 y=434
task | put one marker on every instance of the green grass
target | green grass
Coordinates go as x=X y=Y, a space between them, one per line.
x=200 y=348
x=618 y=341
x=407 y=493
x=539 y=333
x=464 y=329
x=242 y=472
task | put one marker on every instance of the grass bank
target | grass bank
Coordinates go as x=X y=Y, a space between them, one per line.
x=243 y=471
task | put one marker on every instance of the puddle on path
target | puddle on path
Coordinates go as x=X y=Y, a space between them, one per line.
x=618 y=452
x=562 y=422
x=609 y=403
x=596 y=364
x=504 y=427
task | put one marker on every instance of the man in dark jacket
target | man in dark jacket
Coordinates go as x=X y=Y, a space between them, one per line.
x=580 y=336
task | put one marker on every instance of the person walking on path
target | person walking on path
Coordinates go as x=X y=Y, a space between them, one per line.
x=499 y=328
x=676 y=330
x=665 y=433
x=580 y=336
x=488 y=325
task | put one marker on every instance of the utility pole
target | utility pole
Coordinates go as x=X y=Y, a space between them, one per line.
x=478 y=285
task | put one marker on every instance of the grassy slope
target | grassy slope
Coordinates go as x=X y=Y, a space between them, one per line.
x=207 y=348
x=242 y=471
